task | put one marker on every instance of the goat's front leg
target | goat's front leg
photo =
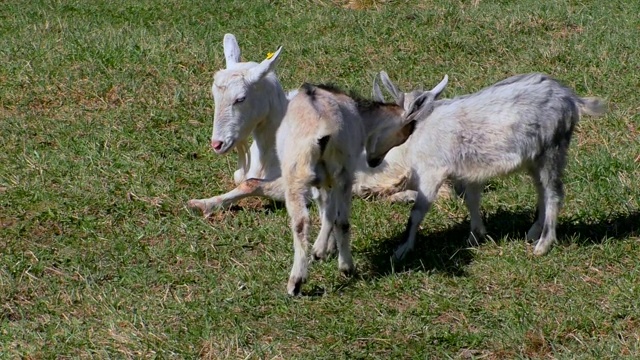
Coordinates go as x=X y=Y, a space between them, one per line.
x=297 y=210
x=536 y=229
x=272 y=189
x=472 y=195
x=430 y=182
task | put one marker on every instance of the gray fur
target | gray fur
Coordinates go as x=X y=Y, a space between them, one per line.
x=524 y=122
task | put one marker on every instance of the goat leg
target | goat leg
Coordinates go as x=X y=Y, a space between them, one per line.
x=272 y=189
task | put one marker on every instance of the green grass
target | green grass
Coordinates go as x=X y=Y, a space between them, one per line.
x=105 y=115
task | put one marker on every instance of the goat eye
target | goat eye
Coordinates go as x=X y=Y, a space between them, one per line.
x=239 y=100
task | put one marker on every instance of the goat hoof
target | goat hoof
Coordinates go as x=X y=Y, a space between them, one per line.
x=294 y=286
x=196 y=204
x=401 y=253
x=319 y=256
x=542 y=248
x=348 y=270
x=322 y=255
x=533 y=234
x=199 y=206
x=203 y=206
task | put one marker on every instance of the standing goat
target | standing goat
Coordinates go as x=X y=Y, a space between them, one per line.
x=523 y=122
x=319 y=143
x=249 y=100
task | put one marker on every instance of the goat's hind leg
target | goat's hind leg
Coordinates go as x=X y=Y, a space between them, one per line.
x=325 y=243
x=297 y=209
x=552 y=166
x=340 y=198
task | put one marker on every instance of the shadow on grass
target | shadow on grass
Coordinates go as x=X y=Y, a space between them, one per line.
x=586 y=233
x=443 y=251
x=265 y=206
x=583 y=232
x=447 y=251
x=252 y=205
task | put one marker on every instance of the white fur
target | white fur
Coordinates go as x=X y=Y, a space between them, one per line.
x=242 y=109
x=259 y=115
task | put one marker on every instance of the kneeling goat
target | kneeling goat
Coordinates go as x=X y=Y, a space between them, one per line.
x=523 y=122
x=318 y=144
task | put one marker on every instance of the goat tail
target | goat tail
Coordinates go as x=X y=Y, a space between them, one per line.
x=307 y=167
x=592 y=106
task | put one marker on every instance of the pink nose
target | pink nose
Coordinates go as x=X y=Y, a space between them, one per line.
x=216 y=145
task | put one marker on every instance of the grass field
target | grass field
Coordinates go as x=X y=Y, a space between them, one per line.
x=105 y=119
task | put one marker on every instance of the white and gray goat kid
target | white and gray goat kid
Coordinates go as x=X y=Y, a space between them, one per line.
x=523 y=122
x=319 y=144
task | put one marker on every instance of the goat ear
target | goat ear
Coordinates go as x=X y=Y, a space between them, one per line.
x=231 y=50
x=417 y=104
x=436 y=91
x=422 y=103
x=377 y=93
x=408 y=129
x=267 y=65
x=398 y=96
x=404 y=133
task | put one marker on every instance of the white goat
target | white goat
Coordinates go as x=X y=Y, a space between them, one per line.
x=523 y=122
x=319 y=144
x=250 y=100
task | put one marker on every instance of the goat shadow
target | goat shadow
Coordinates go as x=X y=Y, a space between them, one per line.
x=447 y=251
x=259 y=205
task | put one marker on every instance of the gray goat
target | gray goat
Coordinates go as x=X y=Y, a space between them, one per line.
x=522 y=122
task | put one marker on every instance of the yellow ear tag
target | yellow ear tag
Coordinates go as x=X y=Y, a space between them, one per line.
x=270 y=55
